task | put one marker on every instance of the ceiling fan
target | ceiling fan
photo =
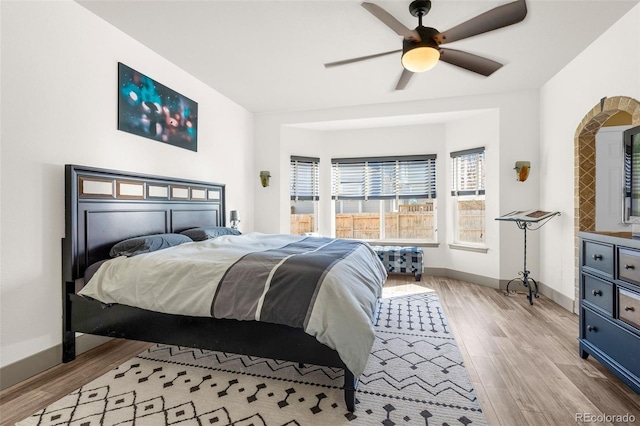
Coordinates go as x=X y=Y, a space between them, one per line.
x=421 y=49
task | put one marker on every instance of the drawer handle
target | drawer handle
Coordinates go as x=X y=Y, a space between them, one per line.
x=591 y=328
x=596 y=292
x=629 y=267
x=629 y=308
x=597 y=257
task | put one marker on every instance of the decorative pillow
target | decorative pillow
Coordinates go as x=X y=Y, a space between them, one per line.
x=92 y=269
x=147 y=243
x=201 y=234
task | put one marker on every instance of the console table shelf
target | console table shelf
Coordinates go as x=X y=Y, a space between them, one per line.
x=530 y=219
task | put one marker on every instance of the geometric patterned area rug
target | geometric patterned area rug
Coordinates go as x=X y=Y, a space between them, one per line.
x=415 y=376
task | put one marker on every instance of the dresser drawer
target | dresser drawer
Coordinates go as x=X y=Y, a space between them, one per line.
x=629 y=265
x=618 y=343
x=598 y=256
x=629 y=307
x=598 y=292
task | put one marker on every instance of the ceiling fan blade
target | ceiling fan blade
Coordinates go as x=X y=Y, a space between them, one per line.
x=391 y=22
x=404 y=79
x=469 y=61
x=361 y=58
x=501 y=16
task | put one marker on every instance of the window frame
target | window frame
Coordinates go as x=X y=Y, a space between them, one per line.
x=313 y=186
x=306 y=190
x=372 y=186
x=460 y=191
x=382 y=179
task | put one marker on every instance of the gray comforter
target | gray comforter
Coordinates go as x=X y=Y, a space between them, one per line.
x=328 y=287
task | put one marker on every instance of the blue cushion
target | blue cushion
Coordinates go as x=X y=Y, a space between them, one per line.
x=201 y=234
x=147 y=243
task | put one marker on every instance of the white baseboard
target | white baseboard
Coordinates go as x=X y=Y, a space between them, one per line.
x=37 y=363
x=559 y=298
x=463 y=276
x=562 y=300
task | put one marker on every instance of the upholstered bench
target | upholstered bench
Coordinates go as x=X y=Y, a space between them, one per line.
x=402 y=260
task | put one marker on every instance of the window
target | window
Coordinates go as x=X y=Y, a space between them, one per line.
x=304 y=194
x=380 y=198
x=467 y=186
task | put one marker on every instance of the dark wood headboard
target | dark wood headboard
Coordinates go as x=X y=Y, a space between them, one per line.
x=106 y=206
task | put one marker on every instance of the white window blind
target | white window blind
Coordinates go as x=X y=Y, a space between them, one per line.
x=380 y=178
x=304 y=174
x=467 y=172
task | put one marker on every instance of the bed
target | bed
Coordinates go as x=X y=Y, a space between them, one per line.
x=104 y=207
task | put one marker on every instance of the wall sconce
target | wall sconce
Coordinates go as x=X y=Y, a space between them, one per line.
x=522 y=170
x=234 y=219
x=264 y=178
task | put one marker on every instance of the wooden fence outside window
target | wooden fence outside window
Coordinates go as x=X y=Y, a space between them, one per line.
x=411 y=222
x=471 y=215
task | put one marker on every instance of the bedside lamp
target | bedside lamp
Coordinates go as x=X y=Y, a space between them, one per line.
x=234 y=219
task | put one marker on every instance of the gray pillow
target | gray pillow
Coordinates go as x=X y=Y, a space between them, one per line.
x=147 y=243
x=92 y=269
x=201 y=234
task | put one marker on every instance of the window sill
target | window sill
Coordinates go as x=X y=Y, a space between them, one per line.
x=404 y=243
x=475 y=249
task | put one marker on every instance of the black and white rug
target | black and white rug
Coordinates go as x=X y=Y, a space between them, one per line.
x=415 y=376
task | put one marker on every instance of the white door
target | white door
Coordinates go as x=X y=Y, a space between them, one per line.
x=609 y=179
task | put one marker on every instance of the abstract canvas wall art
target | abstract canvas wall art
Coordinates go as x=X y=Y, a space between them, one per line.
x=152 y=110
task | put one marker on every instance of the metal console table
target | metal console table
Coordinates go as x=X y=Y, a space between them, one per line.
x=526 y=220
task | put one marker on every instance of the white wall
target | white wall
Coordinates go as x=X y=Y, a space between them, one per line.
x=508 y=127
x=519 y=140
x=59 y=105
x=482 y=130
x=609 y=67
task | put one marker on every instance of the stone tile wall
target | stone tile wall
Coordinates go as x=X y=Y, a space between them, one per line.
x=585 y=166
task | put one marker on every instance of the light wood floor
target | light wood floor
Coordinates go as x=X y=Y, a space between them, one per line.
x=523 y=361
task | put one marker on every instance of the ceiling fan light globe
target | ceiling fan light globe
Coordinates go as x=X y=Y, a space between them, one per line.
x=420 y=59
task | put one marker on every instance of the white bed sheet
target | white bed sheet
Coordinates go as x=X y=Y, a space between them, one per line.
x=183 y=280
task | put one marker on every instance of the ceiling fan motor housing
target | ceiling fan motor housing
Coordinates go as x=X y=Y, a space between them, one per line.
x=420 y=7
x=427 y=39
x=420 y=55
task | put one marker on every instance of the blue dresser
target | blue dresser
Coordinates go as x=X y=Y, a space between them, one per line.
x=610 y=303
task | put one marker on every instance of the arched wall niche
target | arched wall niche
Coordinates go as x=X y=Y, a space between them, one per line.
x=585 y=164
